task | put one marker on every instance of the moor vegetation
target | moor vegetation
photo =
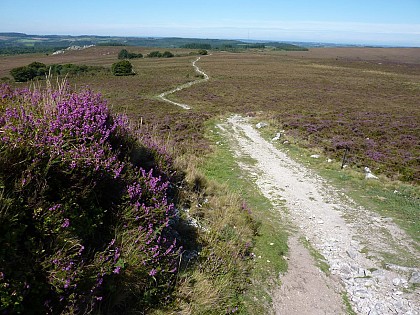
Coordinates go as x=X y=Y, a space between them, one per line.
x=39 y=70
x=107 y=214
x=91 y=220
x=124 y=54
x=368 y=108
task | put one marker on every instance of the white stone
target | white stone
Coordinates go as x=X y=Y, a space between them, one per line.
x=370 y=176
x=415 y=278
x=277 y=137
x=261 y=125
x=396 y=281
x=352 y=253
x=315 y=156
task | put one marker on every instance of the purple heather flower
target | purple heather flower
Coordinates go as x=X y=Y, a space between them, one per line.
x=66 y=223
x=153 y=272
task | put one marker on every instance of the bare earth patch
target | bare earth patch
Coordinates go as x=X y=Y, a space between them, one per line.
x=352 y=239
x=305 y=289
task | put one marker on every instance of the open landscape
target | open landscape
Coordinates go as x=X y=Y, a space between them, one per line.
x=265 y=170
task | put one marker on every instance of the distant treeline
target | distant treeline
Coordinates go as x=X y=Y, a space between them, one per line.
x=40 y=70
x=196 y=46
x=29 y=50
x=289 y=47
x=14 y=43
x=240 y=46
x=110 y=44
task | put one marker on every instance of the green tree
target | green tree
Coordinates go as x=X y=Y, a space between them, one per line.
x=23 y=74
x=122 y=68
x=123 y=54
x=39 y=69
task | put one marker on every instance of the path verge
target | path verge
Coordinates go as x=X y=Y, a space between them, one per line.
x=334 y=225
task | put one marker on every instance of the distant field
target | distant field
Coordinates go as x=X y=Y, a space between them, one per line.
x=370 y=107
x=391 y=55
x=366 y=99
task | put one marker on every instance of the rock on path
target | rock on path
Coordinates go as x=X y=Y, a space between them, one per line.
x=335 y=226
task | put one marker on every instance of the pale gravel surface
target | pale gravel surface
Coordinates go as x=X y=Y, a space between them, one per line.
x=338 y=228
x=163 y=96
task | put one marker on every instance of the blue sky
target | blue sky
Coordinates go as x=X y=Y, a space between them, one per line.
x=391 y=22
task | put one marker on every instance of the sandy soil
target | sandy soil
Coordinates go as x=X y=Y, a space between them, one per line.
x=339 y=229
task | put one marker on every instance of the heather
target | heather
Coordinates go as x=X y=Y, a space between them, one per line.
x=86 y=207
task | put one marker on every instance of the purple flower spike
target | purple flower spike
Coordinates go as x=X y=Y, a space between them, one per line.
x=66 y=223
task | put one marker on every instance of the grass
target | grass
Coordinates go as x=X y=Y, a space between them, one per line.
x=349 y=309
x=397 y=200
x=270 y=243
x=320 y=260
x=286 y=88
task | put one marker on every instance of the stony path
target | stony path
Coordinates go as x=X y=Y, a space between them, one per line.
x=163 y=96
x=339 y=229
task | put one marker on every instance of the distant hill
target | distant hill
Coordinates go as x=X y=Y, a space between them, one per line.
x=17 y=43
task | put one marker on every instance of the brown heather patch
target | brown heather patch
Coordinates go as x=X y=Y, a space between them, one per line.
x=328 y=97
x=328 y=103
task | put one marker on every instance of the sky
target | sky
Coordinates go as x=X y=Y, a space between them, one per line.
x=373 y=22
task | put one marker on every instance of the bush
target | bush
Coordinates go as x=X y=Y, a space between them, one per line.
x=122 y=68
x=39 y=70
x=84 y=208
x=154 y=54
x=202 y=52
x=124 y=54
x=23 y=74
x=167 y=54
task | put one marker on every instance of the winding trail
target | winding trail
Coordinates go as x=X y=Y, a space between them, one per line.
x=351 y=238
x=163 y=96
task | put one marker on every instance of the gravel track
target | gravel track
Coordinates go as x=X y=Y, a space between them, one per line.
x=163 y=96
x=338 y=228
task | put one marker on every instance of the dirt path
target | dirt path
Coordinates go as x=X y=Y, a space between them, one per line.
x=163 y=95
x=351 y=238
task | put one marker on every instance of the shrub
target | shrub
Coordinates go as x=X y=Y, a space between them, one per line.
x=122 y=68
x=167 y=54
x=124 y=54
x=39 y=70
x=22 y=74
x=84 y=207
x=202 y=52
x=154 y=54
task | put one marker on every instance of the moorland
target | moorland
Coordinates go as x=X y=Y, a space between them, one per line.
x=363 y=101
